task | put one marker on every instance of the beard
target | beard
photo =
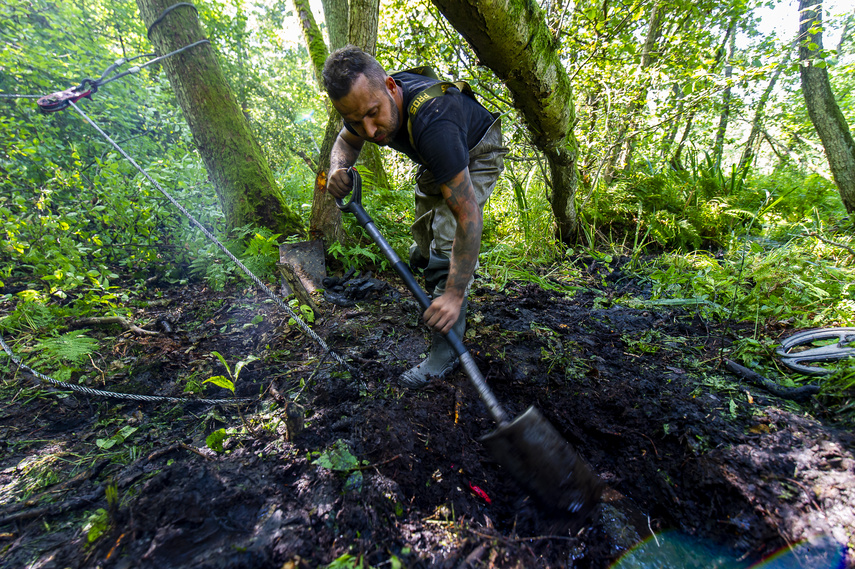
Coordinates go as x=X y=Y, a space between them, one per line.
x=395 y=123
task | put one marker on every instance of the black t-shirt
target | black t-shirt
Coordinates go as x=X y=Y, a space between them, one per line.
x=444 y=130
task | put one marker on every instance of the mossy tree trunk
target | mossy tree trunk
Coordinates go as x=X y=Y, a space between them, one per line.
x=829 y=122
x=356 y=24
x=512 y=38
x=233 y=158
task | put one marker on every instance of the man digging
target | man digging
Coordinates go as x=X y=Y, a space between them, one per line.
x=457 y=144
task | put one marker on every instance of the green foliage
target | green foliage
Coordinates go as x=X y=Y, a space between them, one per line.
x=221 y=381
x=348 y=561
x=97 y=524
x=225 y=382
x=63 y=354
x=72 y=347
x=840 y=386
x=303 y=311
x=28 y=316
x=215 y=440
x=671 y=210
x=120 y=437
x=357 y=256
x=752 y=283
x=256 y=247
x=338 y=457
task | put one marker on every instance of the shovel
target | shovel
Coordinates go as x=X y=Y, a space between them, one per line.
x=529 y=447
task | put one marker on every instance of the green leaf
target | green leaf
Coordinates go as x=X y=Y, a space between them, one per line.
x=223 y=361
x=240 y=365
x=215 y=440
x=105 y=444
x=221 y=381
x=97 y=524
x=338 y=457
x=126 y=432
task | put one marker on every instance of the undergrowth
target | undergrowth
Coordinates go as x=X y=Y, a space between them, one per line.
x=79 y=240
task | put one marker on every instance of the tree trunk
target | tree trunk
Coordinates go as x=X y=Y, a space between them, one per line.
x=358 y=27
x=336 y=17
x=362 y=32
x=824 y=113
x=325 y=219
x=318 y=51
x=233 y=158
x=757 y=123
x=671 y=135
x=512 y=39
x=677 y=159
x=724 y=116
x=623 y=155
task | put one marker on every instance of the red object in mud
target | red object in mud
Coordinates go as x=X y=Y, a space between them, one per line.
x=480 y=493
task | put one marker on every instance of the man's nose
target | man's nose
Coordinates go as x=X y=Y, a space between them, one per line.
x=370 y=128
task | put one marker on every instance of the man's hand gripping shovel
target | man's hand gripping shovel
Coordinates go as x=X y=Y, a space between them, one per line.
x=536 y=455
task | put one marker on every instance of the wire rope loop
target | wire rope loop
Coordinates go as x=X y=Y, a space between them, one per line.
x=165 y=12
x=800 y=350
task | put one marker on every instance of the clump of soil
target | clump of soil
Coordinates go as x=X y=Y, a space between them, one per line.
x=392 y=475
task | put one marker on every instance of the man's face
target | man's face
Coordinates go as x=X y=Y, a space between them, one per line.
x=371 y=110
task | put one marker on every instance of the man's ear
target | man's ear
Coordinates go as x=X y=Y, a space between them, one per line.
x=391 y=86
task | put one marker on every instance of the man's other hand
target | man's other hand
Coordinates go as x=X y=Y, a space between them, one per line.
x=443 y=312
x=340 y=183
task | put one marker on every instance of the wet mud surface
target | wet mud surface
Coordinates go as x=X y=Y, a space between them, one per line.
x=391 y=475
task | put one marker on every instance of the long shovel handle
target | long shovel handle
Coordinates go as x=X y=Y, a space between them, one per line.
x=354 y=206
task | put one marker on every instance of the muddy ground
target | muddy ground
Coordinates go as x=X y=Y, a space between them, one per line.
x=722 y=472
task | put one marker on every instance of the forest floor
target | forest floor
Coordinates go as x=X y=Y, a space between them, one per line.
x=701 y=470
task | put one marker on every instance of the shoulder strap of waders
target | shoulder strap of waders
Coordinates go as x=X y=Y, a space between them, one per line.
x=431 y=92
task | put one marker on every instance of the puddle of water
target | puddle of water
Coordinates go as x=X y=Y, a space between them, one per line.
x=672 y=550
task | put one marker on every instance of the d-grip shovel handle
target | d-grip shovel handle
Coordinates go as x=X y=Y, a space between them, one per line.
x=354 y=206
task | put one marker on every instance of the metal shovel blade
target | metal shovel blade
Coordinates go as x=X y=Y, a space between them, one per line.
x=545 y=464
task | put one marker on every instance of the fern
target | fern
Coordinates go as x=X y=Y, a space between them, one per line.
x=30 y=316
x=72 y=347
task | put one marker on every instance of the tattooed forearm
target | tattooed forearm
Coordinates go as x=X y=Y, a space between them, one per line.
x=460 y=197
x=343 y=154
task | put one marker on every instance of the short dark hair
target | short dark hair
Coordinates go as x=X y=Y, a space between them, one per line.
x=344 y=65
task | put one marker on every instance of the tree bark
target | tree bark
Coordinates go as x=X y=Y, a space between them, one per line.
x=232 y=156
x=336 y=14
x=671 y=134
x=512 y=39
x=822 y=108
x=318 y=51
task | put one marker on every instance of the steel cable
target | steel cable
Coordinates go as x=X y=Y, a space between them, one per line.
x=303 y=326
x=114 y=395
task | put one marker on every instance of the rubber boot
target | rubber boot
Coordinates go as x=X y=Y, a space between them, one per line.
x=441 y=360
